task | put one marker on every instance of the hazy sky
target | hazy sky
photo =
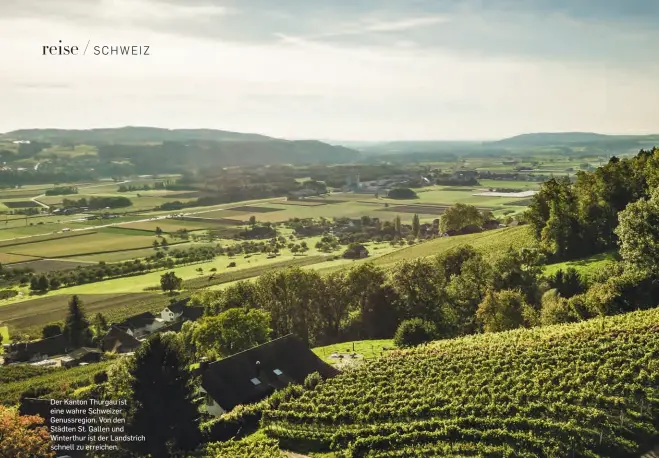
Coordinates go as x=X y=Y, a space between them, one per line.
x=336 y=69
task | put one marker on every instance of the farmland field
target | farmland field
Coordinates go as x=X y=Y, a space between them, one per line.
x=172 y=225
x=253 y=209
x=8 y=258
x=49 y=265
x=93 y=243
x=20 y=204
x=43 y=238
x=38 y=312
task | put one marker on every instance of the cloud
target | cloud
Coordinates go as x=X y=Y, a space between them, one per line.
x=347 y=69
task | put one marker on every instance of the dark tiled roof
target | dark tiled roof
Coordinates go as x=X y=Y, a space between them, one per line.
x=51 y=346
x=228 y=381
x=118 y=340
x=138 y=321
x=177 y=307
x=80 y=352
x=193 y=313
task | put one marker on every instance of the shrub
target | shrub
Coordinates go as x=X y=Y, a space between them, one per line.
x=402 y=193
x=414 y=332
x=556 y=309
x=312 y=380
x=8 y=294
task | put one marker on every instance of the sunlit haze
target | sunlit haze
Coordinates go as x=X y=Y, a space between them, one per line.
x=349 y=70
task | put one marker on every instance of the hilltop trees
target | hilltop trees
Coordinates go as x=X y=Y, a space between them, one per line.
x=76 y=327
x=162 y=399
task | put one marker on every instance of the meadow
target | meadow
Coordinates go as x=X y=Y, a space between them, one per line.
x=367 y=349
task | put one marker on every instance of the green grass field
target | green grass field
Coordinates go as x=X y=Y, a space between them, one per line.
x=586 y=266
x=93 y=243
x=4 y=332
x=369 y=349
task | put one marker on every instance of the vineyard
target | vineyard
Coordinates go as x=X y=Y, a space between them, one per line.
x=46 y=382
x=246 y=448
x=587 y=389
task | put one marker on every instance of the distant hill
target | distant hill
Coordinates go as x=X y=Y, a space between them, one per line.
x=129 y=134
x=151 y=148
x=570 y=138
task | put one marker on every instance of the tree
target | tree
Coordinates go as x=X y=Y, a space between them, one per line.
x=23 y=436
x=54 y=283
x=402 y=193
x=568 y=283
x=416 y=226
x=504 y=310
x=39 y=284
x=289 y=296
x=459 y=216
x=555 y=309
x=422 y=292
x=638 y=231
x=100 y=324
x=232 y=331
x=164 y=244
x=170 y=282
x=252 y=220
x=162 y=400
x=76 y=327
x=158 y=231
x=156 y=245
x=51 y=330
x=398 y=226
x=414 y=332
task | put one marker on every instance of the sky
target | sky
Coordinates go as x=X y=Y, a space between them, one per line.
x=370 y=70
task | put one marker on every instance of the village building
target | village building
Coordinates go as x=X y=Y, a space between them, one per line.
x=256 y=373
x=141 y=325
x=118 y=340
x=37 y=350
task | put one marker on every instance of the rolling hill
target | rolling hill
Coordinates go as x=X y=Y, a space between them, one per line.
x=150 y=149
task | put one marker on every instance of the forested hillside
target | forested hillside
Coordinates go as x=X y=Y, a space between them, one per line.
x=145 y=150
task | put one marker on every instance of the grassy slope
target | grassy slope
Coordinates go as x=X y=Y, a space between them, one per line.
x=491 y=242
x=585 y=266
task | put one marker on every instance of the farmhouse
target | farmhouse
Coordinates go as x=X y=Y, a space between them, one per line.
x=37 y=350
x=181 y=311
x=253 y=374
x=118 y=340
x=141 y=325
